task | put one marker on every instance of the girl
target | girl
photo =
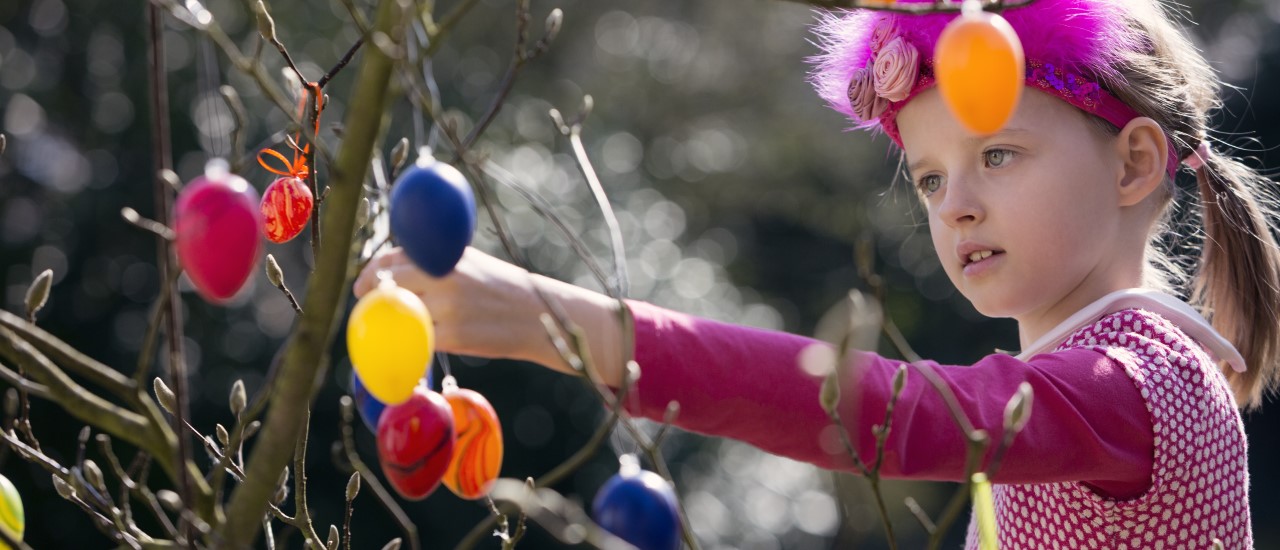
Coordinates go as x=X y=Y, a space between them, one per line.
x=1135 y=439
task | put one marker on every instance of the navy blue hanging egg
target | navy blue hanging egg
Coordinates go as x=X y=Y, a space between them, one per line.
x=433 y=215
x=638 y=506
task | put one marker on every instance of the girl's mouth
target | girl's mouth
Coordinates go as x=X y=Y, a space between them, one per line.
x=979 y=262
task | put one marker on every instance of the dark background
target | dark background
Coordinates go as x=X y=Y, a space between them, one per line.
x=741 y=198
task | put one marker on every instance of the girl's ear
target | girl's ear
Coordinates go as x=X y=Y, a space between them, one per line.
x=1143 y=151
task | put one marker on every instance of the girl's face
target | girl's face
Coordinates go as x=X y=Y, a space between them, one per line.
x=1024 y=221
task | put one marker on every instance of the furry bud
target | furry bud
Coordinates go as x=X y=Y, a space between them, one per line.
x=63 y=488
x=266 y=25
x=353 y=486
x=274 y=274
x=93 y=474
x=171 y=501
x=238 y=398
x=38 y=294
x=554 y=21
x=1018 y=411
x=165 y=396
x=222 y=435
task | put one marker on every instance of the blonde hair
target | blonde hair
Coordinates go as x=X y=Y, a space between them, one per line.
x=1236 y=279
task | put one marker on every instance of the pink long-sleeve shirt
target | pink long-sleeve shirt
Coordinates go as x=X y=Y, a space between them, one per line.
x=1092 y=442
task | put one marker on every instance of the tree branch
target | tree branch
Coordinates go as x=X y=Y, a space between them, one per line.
x=304 y=362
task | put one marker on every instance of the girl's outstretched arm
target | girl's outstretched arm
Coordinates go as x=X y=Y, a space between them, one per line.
x=1088 y=423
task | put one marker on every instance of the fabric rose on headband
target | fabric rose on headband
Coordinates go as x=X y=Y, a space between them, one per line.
x=895 y=70
x=866 y=103
x=886 y=30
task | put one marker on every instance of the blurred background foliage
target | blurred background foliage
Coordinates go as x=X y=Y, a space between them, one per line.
x=740 y=196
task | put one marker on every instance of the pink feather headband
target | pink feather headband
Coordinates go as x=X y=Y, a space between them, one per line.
x=873 y=63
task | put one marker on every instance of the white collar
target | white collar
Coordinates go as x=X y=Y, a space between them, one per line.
x=1173 y=309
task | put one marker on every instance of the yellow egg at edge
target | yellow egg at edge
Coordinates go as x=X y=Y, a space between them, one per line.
x=12 y=519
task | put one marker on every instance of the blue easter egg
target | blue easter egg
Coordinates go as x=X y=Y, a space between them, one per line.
x=638 y=506
x=369 y=406
x=433 y=215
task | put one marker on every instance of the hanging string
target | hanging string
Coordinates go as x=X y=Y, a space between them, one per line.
x=297 y=168
x=216 y=113
x=443 y=359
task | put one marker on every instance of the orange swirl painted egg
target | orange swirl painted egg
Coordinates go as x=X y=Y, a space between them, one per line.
x=477 y=455
x=286 y=208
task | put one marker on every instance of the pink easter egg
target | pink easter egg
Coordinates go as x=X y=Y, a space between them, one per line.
x=415 y=443
x=219 y=236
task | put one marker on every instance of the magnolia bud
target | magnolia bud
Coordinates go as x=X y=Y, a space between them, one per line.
x=266 y=25
x=830 y=394
x=171 y=178
x=353 y=486
x=252 y=429
x=11 y=402
x=171 y=501
x=554 y=20
x=282 y=487
x=238 y=398
x=93 y=475
x=362 y=213
x=3 y=143
x=165 y=396
x=63 y=488
x=393 y=545
x=274 y=274
x=222 y=435
x=1018 y=410
x=38 y=294
x=332 y=543
x=399 y=154
x=899 y=380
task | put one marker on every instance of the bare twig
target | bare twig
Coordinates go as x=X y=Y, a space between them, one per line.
x=920 y=515
x=69 y=357
x=342 y=63
x=160 y=142
x=347 y=413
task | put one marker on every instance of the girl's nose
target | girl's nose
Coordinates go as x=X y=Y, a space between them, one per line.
x=960 y=204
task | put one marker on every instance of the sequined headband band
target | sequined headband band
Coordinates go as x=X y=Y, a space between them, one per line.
x=1080 y=92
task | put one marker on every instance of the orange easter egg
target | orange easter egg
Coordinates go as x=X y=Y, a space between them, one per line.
x=477 y=455
x=980 y=69
x=286 y=208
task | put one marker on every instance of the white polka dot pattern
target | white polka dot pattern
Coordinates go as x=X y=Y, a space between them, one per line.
x=1200 y=480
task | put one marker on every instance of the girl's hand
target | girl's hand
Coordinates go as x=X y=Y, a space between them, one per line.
x=490 y=308
x=484 y=307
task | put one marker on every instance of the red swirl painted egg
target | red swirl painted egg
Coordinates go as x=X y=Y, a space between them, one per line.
x=415 y=443
x=217 y=235
x=477 y=456
x=286 y=208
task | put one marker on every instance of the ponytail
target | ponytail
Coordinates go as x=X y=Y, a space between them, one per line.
x=1237 y=283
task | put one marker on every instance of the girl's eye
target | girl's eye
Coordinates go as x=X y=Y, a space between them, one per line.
x=929 y=184
x=995 y=158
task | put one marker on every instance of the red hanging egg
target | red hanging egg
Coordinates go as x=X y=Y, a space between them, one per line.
x=286 y=208
x=477 y=456
x=218 y=236
x=415 y=443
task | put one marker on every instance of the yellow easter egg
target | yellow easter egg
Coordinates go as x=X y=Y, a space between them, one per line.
x=390 y=340
x=12 y=520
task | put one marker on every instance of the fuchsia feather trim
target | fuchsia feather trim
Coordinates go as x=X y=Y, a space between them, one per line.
x=1082 y=36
